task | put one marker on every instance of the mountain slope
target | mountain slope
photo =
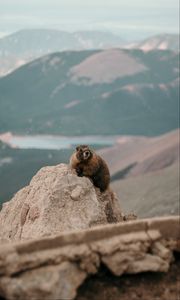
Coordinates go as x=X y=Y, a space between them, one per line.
x=31 y=42
x=137 y=155
x=56 y=94
x=25 y=45
x=145 y=173
x=154 y=194
x=161 y=42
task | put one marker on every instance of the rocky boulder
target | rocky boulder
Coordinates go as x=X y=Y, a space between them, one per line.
x=56 y=200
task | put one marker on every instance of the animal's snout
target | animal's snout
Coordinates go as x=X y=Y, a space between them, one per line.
x=86 y=154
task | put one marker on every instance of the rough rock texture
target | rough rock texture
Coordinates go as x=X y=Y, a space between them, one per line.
x=55 y=201
x=54 y=267
x=142 y=286
x=46 y=259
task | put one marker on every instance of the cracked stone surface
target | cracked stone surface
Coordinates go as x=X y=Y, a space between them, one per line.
x=54 y=267
x=56 y=200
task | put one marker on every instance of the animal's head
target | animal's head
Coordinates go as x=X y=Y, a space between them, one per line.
x=83 y=153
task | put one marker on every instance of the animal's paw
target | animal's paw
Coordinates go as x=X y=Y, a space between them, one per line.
x=79 y=172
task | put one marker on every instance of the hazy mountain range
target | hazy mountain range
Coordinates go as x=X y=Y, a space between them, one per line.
x=26 y=45
x=23 y=46
x=109 y=91
x=161 y=42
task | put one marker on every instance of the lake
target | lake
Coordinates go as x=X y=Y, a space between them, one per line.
x=55 y=142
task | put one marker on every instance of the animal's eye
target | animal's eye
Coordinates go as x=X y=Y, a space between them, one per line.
x=87 y=152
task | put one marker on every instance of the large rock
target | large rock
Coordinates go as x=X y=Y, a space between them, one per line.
x=56 y=200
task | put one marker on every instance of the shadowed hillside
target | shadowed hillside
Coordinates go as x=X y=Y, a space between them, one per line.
x=150 y=195
x=145 y=173
x=60 y=94
x=137 y=155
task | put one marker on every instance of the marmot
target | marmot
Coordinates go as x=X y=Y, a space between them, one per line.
x=87 y=163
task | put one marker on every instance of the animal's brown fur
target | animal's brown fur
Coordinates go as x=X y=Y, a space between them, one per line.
x=87 y=163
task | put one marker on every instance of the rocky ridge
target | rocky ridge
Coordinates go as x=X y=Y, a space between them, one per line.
x=55 y=234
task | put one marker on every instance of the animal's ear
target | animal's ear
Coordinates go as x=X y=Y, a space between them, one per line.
x=77 y=148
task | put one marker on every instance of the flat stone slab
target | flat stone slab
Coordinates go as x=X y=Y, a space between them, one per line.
x=54 y=267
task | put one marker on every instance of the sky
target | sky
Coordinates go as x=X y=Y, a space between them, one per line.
x=133 y=19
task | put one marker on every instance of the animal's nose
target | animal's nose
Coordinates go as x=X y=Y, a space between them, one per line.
x=85 y=154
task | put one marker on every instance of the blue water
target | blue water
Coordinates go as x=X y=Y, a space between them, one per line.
x=59 y=142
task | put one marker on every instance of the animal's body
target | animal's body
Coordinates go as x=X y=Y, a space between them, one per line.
x=87 y=163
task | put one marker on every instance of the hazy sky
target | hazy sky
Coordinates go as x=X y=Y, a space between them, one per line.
x=131 y=19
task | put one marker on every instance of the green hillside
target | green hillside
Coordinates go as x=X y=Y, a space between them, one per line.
x=45 y=96
x=17 y=167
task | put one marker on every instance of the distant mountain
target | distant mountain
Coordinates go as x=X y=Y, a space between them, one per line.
x=93 y=92
x=25 y=45
x=161 y=42
x=138 y=155
x=145 y=173
x=98 y=39
x=150 y=195
x=10 y=63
